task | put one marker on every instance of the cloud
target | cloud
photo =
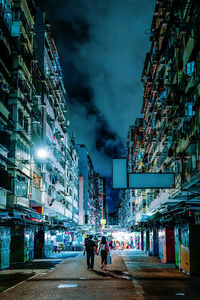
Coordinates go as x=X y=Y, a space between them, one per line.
x=102 y=46
x=102 y=143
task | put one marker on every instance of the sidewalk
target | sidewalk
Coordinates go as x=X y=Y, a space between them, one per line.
x=81 y=283
x=19 y=272
x=156 y=280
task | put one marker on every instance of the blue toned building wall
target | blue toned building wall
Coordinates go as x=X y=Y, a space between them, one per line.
x=84 y=172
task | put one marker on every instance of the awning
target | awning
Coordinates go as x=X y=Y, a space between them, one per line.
x=9 y=162
x=24 y=174
x=29 y=212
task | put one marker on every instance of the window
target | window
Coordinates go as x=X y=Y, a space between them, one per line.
x=62 y=181
x=20 y=117
x=190 y=67
x=16 y=15
x=21 y=186
x=198 y=65
x=36 y=181
x=190 y=160
x=26 y=124
x=86 y=219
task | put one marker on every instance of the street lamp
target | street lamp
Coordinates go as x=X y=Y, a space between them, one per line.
x=42 y=153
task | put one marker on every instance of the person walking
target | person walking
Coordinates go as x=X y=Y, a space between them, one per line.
x=86 y=238
x=90 y=248
x=104 y=250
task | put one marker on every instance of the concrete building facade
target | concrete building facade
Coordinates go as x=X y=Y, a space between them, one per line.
x=91 y=195
x=169 y=136
x=38 y=161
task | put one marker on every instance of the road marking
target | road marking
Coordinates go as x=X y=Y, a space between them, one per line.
x=127 y=277
x=180 y=294
x=139 y=289
x=67 y=285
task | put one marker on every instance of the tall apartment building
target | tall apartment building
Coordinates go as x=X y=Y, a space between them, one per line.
x=17 y=89
x=61 y=166
x=123 y=209
x=127 y=204
x=5 y=84
x=88 y=190
x=170 y=140
x=38 y=160
x=101 y=202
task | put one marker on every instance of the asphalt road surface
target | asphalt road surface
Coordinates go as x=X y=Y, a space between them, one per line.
x=133 y=275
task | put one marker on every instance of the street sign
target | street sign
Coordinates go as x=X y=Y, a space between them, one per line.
x=119 y=173
x=124 y=180
x=151 y=181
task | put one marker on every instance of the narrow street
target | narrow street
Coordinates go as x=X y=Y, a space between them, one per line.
x=133 y=275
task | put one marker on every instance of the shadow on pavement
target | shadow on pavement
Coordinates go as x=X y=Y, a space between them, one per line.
x=72 y=279
x=35 y=265
x=117 y=272
x=104 y=274
x=9 y=277
x=160 y=278
x=9 y=280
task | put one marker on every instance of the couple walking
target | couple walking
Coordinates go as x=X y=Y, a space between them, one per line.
x=91 y=248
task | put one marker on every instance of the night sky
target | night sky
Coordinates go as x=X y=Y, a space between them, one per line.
x=102 y=46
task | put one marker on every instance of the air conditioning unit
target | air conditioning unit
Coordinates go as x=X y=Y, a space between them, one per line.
x=3 y=127
x=35 y=121
x=46 y=218
x=8 y=6
x=5 y=87
x=25 y=161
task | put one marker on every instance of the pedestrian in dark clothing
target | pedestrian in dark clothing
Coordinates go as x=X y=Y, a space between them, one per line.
x=90 y=248
x=96 y=241
x=104 y=249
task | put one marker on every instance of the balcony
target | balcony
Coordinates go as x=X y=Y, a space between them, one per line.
x=36 y=195
x=21 y=187
x=22 y=201
x=5 y=12
x=68 y=213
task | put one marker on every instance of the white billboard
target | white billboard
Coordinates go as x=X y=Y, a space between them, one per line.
x=119 y=173
x=151 y=181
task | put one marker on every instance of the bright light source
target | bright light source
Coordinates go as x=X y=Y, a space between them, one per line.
x=42 y=153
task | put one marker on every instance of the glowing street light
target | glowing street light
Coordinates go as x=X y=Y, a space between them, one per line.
x=42 y=153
